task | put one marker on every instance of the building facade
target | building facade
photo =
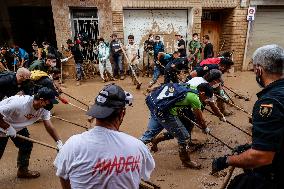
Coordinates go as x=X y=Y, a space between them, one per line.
x=225 y=21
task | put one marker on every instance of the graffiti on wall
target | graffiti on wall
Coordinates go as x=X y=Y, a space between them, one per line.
x=165 y=23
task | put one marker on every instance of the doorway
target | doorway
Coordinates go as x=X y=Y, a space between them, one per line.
x=210 y=25
x=30 y=24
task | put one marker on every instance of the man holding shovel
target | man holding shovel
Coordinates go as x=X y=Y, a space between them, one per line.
x=18 y=112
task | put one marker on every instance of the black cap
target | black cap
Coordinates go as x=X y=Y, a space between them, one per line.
x=69 y=41
x=47 y=94
x=34 y=43
x=111 y=98
x=214 y=74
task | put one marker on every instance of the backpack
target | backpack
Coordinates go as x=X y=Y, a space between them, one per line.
x=37 y=74
x=161 y=100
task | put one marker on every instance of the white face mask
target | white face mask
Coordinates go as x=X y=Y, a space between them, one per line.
x=53 y=64
x=215 y=85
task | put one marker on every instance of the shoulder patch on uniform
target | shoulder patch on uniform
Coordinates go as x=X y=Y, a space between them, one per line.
x=265 y=110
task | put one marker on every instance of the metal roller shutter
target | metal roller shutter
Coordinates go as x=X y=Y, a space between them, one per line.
x=268 y=28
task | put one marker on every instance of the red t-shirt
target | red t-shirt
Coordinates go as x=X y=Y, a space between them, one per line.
x=210 y=61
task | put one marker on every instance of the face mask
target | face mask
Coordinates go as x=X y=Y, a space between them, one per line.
x=48 y=107
x=215 y=85
x=53 y=64
x=259 y=81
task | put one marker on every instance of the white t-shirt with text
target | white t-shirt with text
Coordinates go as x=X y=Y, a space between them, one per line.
x=18 y=112
x=104 y=158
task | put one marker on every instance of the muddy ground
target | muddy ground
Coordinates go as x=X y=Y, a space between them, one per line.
x=168 y=172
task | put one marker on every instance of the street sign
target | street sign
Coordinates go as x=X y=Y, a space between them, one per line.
x=251 y=13
x=250 y=18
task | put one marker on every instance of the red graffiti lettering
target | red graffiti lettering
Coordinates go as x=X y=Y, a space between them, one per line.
x=118 y=165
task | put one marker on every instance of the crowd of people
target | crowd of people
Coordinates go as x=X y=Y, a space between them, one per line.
x=109 y=55
x=30 y=88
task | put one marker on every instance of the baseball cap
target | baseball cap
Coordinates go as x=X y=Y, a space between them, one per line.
x=110 y=98
x=215 y=74
x=34 y=43
x=69 y=41
x=47 y=94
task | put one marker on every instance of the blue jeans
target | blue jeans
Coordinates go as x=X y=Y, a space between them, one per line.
x=79 y=71
x=172 y=124
x=153 y=129
x=117 y=58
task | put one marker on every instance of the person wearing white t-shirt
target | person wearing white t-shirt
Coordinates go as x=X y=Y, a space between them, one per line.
x=132 y=52
x=104 y=157
x=214 y=78
x=18 y=112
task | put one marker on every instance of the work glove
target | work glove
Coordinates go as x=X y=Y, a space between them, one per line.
x=223 y=119
x=59 y=144
x=11 y=132
x=63 y=100
x=241 y=148
x=219 y=164
x=223 y=95
x=64 y=60
x=206 y=130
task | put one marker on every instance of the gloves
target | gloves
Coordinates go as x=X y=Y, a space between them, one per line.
x=11 y=132
x=223 y=95
x=241 y=148
x=219 y=164
x=64 y=60
x=63 y=100
x=59 y=144
x=206 y=130
x=223 y=119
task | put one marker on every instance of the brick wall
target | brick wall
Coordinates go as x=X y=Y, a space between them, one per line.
x=62 y=22
x=234 y=28
x=110 y=14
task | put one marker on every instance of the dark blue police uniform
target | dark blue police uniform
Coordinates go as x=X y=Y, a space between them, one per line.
x=268 y=135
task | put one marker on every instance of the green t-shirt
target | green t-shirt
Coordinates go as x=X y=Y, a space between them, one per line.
x=190 y=100
x=193 y=45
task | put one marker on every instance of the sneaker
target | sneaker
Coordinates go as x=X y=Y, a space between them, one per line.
x=78 y=83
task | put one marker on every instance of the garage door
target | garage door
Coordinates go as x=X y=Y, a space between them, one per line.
x=165 y=23
x=268 y=28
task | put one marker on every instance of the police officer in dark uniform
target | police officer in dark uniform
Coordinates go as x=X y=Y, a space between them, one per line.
x=263 y=159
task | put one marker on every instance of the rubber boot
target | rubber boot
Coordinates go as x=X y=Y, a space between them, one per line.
x=159 y=138
x=24 y=172
x=185 y=159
